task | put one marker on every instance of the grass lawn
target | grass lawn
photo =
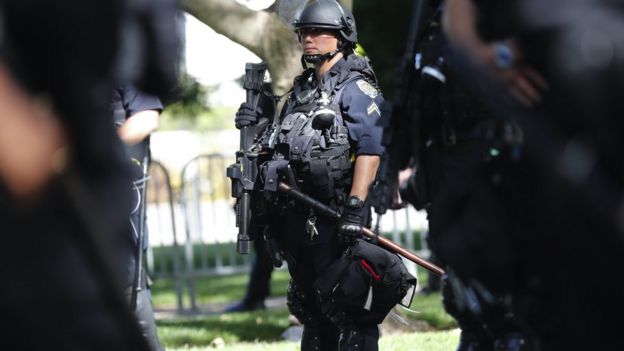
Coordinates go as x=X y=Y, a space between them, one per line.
x=426 y=341
x=262 y=330
x=216 y=289
x=265 y=326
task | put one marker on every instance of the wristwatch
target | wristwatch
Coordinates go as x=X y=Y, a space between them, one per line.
x=504 y=56
x=354 y=202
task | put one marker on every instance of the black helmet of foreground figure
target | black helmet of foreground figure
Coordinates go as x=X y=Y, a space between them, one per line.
x=327 y=14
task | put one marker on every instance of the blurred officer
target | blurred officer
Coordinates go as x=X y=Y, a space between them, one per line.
x=572 y=123
x=327 y=134
x=454 y=134
x=137 y=114
x=63 y=179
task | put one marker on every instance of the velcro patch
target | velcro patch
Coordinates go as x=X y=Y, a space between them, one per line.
x=367 y=88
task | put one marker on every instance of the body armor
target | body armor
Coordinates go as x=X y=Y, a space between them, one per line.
x=316 y=148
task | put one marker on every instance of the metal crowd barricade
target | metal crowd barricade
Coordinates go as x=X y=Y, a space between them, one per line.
x=162 y=217
x=209 y=217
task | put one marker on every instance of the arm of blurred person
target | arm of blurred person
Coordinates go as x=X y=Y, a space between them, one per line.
x=139 y=126
x=521 y=81
x=32 y=141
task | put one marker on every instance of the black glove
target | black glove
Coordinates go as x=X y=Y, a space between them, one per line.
x=350 y=225
x=247 y=115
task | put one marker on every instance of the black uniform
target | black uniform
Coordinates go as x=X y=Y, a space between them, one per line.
x=519 y=215
x=323 y=167
x=460 y=146
x=59 y=289
x=127 y=101
x=556 y=207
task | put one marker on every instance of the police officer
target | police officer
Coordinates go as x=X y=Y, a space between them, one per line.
x=458 y=140
x=550 y=206
x=136 y=115
x=63 y=182
x=328 y=136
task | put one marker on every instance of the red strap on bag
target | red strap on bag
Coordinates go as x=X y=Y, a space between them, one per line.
x=370 y=270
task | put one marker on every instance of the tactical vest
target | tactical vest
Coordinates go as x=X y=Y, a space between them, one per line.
x=320 y=155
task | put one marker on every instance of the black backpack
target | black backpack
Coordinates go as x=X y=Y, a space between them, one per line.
x=364 y=284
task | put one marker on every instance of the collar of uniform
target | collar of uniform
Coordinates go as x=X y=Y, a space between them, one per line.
x=337 y=68
x=328 y=79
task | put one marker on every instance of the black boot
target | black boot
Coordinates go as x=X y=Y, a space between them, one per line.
x=245 y=306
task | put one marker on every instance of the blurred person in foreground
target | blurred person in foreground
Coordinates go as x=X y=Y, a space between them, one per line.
x=558 y=67
x=62 y=179
x=136 y=115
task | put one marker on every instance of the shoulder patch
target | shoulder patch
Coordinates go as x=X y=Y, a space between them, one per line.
x=367 y=88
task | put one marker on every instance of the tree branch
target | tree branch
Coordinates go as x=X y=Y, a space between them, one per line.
x=235 y=21
x=261 y=32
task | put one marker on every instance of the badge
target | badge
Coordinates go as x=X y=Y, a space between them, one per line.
x=367 y=88
x=373 y=108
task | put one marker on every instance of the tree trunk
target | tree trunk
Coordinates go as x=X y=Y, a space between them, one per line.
x=261 y=32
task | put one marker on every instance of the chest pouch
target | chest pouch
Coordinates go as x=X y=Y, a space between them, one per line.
x=365 y=284
x=315 y=143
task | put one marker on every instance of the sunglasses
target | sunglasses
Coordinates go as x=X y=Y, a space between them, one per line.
x=314 y=32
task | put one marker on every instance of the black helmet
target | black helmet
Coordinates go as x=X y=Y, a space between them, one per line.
x=328 y=14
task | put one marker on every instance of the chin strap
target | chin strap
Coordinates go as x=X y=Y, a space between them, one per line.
x=318 y=58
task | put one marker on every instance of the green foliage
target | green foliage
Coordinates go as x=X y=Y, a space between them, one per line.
x=188 y=108
x=189 y=98
x=382 y=31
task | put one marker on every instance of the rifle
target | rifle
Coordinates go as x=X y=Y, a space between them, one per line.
x=396 y=138
x=243 y=173
x=389 y=245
